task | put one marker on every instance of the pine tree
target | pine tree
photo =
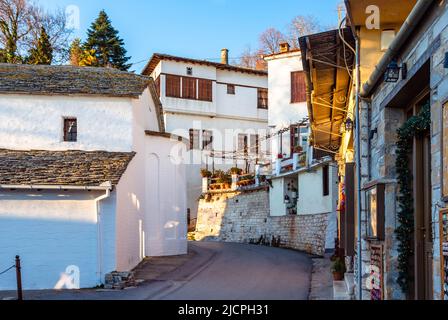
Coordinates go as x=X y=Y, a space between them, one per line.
x=108 y=46
x=43 y=52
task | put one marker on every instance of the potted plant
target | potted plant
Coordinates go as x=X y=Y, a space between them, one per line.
x=205 y=173
x=235 y=170
x=338 y=269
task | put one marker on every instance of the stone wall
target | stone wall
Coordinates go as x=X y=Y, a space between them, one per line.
x=244 y=218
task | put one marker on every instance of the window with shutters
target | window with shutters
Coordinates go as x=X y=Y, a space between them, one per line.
x=243 y=145
x=205 y=90
x=188 y=88
x=172 y=86
x=70 y=130
x=194 y=139
x=207 y=140
x=298 y=87
x=262 y=98
x=255 y=144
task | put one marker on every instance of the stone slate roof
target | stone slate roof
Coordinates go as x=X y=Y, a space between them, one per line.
x=65 y=168
x=157 y=57
x=70 y=80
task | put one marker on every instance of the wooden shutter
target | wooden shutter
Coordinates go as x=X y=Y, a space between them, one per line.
x=298 y=87
x=205 y=90
x=157 y=83
x=188 y=88
x=172 y=86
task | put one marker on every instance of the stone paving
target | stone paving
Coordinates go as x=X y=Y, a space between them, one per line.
x=321 y=279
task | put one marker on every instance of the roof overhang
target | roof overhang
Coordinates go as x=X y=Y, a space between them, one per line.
x=158 y=57
x=328 y=64
x=391 y=12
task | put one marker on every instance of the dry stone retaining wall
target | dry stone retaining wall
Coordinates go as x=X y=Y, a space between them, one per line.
x=244 y=218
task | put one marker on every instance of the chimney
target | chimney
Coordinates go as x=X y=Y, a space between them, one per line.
x=284 y=47
x=225 y=56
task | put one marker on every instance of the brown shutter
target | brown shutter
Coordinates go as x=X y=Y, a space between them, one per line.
x=188 y=88
x=157 y=83
x=298 y=87
x=205 y=90
x=172 y=86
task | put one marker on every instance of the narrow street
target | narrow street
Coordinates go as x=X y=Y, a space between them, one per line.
x=217 y=271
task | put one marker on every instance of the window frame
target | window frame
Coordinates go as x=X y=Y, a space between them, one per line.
x=231 y=89
x=68 y=136
x=263 y=102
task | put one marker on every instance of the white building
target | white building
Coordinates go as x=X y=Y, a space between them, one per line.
x=303 y=182
x=105 y=190
x=221 y=109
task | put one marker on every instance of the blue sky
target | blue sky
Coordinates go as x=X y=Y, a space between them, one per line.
x=195 y=28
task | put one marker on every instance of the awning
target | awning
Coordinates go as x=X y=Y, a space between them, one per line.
x=328 y=64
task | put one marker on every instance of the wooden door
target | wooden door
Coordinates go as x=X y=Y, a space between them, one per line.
x=423 y=230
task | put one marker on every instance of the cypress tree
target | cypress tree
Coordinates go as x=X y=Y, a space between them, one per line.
x=43 y=52
x=107 y=45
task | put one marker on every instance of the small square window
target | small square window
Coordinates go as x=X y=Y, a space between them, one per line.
x=189 y=71
x=387 y=37
x=70 y=130
x=230 y=89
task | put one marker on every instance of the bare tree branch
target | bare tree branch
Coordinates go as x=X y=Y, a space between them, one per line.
x=270 y=41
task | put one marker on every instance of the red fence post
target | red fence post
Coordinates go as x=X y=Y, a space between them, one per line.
x=19 y=279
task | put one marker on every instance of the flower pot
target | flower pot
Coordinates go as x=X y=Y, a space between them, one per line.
x=338 y=276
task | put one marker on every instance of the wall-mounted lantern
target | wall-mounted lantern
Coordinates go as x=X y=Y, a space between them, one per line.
x=392 y=73
x=349 y=124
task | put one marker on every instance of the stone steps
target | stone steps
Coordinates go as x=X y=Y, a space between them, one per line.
x=344 y=290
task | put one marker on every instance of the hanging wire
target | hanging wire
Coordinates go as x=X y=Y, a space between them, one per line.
x=3 y=272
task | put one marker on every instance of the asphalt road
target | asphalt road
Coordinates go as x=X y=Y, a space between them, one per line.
x=218 y=271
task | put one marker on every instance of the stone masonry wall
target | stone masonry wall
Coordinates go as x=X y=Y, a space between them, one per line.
x=244 y=218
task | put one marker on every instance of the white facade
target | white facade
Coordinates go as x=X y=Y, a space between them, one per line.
x=98 y=231
x=282 y=111
x=299 y=189
x=227 y=115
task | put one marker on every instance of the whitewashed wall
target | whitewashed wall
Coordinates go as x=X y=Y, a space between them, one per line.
x=282 y=112
x=53 y=230
x=166 y=201
x=311 y=199
x=36 y=122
